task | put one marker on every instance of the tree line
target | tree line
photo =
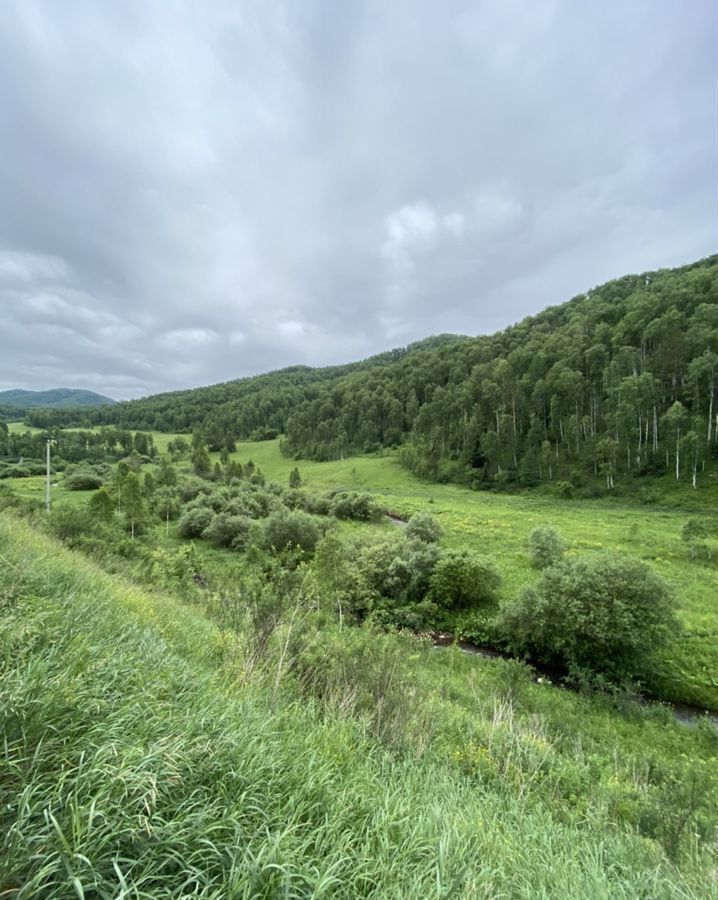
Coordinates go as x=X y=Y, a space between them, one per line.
x=620 y=380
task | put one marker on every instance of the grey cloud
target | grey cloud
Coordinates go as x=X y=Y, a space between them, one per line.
x=195 y=194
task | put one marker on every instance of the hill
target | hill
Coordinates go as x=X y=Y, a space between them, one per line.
x=149 y=753
x=619 y=381
x=57 y=398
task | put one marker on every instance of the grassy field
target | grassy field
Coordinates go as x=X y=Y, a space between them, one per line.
x=141 y=758
x=498 y=526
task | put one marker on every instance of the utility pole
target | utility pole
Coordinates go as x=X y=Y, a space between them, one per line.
x=48 y=501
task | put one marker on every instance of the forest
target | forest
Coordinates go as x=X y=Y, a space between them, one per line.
x=618 y=383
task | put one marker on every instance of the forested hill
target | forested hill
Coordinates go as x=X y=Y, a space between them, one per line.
x=622 y=378
x=57 y=397
x=17 y=402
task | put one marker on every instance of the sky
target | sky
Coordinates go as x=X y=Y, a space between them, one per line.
x=192 y=192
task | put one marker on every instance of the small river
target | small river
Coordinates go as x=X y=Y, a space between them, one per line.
x=683 y=712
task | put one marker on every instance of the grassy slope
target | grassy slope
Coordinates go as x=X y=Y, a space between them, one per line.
x=136 y=764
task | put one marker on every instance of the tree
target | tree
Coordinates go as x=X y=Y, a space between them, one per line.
x=166 y=475
x=295 y=479
x=674 y=419
x=607 y=614
x=166 y=505
x=200 y=460
x=133 y=504
x=101 y=505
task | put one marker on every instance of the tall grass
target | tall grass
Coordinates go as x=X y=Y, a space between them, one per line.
x=135 y=764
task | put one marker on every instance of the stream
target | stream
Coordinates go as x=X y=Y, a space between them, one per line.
x=683 y=712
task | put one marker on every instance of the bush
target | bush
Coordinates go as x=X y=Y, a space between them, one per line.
x=15 y=471
x=83 y=481
x=546 y=546
x=463 y=580
x=290 y=530
x=564 y=489
x=700 y=535
x=352 y=505
x=226 y=530
x=604 y=615
x=423 y=527
x=194 y=521
x=192 y=487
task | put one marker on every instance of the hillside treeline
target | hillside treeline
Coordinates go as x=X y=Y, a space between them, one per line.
x=620 y=379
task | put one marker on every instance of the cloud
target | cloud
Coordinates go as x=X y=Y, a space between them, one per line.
x=31 y=267
x=196 y=194
x=187 y=338
x=417 y=227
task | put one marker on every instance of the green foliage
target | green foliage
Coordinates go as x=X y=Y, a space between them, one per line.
x=336 y=767
x=388 y=579
x=194 y=520
x=201 y=463
x=166 y=475
x=606 y=615
x=291 y=530
x=83 y=481
x=102 y=505
x=546 y=546
x=612 y=388
x=295 y=479
x=423 y=526
x=226 y=530
x=463 y=580
x=354 y=505
x=702 y=538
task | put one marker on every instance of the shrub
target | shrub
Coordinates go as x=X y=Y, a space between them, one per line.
x=564 y=489
x=289 y=530
x=546 y=546
x=700 y=537
x=226 y=530
x=605 y=615
x=463 y=580
x=192 y=487
x=194 y=520
x=423 y=527
x=15 y=471
x=83 y=481
x=353 y=505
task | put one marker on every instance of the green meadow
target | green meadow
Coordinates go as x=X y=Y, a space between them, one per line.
x=498 y=526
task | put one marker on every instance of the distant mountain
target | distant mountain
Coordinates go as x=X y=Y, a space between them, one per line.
x=58 y=398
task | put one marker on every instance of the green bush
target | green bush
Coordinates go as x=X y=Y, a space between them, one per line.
x=291 y=530
x=546 y=546
x=353 y=505
x=606 y=615
x=194 y=521
x=226 y=530
x=463 y=580
x=83 y=481
x=423 y=527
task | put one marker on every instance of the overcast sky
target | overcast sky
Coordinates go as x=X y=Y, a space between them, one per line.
x=195 y=191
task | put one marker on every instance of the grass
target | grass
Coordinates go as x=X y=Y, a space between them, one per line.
x=498 y=525
x=139 y=761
